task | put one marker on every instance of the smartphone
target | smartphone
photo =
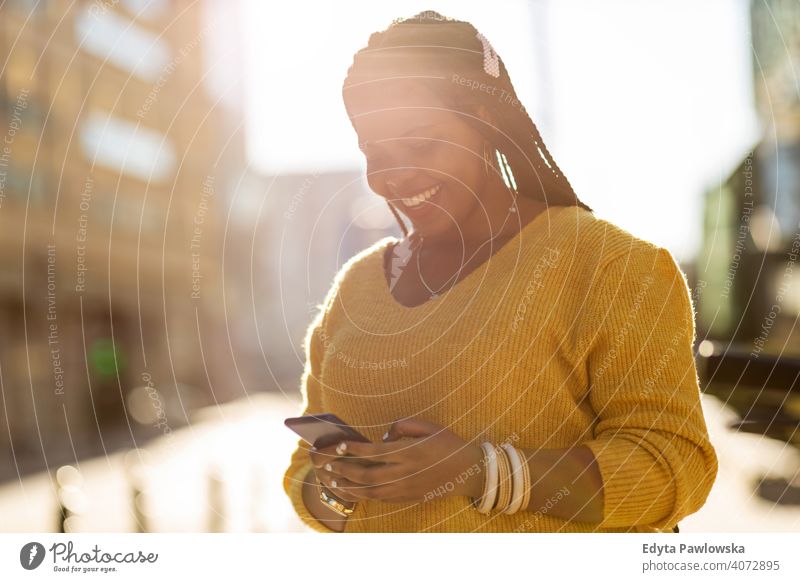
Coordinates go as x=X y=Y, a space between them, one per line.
x=323 y=430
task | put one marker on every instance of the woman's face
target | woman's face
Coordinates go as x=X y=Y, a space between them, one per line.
x=424 y=158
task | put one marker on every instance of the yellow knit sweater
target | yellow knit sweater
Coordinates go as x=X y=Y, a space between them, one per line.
x=573 y=332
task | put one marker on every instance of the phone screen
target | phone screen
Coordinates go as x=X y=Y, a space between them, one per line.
x=322 y=430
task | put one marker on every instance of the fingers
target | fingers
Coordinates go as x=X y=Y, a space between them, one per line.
x=376 y=452
x=391 y=450
x=362 y=474
x=347 y=490
x=398 y=474
x=324 y=455
x=353 y=451
x=412 y=427
x=354 y=482
x=340 y=487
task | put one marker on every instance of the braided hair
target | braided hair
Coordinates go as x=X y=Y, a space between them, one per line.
x=450 y=57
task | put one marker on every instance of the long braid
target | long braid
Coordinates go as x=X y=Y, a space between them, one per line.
x=553 y=166
x=402 y=224
x=524 y=130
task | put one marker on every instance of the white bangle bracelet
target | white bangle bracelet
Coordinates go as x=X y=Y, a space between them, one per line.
x=487 y=501
x=518 y=489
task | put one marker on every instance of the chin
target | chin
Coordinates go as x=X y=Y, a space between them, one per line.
x=432 y=228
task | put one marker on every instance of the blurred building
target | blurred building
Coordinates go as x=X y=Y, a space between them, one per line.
x=116 y=164
x=748 y=273
x=749 y=269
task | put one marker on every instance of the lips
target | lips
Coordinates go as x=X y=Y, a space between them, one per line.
x=419 y=200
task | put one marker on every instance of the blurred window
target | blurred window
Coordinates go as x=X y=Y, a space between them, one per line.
x=115 y=39
x=147 y=9
x=126 y=147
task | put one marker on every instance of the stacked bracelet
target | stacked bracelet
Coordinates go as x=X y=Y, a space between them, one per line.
x=486 y=501
x=507 y=482
x=517 y=480
x=526 y=481
x=504 y=492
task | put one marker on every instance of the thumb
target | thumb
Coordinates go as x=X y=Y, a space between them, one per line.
x=411 y=427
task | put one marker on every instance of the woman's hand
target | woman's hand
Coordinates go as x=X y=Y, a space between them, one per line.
x=431 y=462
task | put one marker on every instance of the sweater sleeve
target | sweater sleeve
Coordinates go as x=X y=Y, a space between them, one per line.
x=650 y=438
x=300 y=463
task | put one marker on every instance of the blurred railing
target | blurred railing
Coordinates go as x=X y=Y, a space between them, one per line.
x=222 y=472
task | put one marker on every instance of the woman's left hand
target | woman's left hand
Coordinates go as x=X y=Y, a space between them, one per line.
x=432 y=462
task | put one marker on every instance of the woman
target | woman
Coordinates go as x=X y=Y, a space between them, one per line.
x=517 y=363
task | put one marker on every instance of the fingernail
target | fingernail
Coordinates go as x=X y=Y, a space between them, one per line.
x=328 y=467
x=334 y=483
x=341 y=448
x=314 y=449
x=385 y=435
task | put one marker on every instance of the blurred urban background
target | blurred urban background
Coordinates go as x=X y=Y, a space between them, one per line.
x=179 y=183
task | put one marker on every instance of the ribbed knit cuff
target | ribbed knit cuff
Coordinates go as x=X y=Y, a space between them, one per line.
x=637 y=488
x=294 y=488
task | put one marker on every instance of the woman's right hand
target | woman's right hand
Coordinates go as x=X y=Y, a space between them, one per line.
x=320 y=458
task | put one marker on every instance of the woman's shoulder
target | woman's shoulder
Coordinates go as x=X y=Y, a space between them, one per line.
x=606 y=242
x=611 y=239
x=606 y=254
x=358 y=269
x=624 y=274
x=629 y=260
x=359 y=266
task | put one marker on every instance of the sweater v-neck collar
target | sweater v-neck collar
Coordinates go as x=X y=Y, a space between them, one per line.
x=459 y=293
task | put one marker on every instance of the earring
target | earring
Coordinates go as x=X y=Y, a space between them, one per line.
x=508 y=177
x=505 y=172
x=487 y=161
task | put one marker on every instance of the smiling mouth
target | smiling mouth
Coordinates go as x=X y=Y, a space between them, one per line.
x=417 y=199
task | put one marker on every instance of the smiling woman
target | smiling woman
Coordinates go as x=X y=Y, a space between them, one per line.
x=531 y=329
x=434 y=108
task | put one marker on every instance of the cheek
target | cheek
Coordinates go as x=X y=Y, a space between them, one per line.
x=376 y=183
x=464 y=173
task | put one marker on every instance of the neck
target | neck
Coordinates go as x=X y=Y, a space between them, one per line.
x=478 y=228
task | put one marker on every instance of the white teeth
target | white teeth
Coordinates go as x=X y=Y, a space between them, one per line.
x=418 y=199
